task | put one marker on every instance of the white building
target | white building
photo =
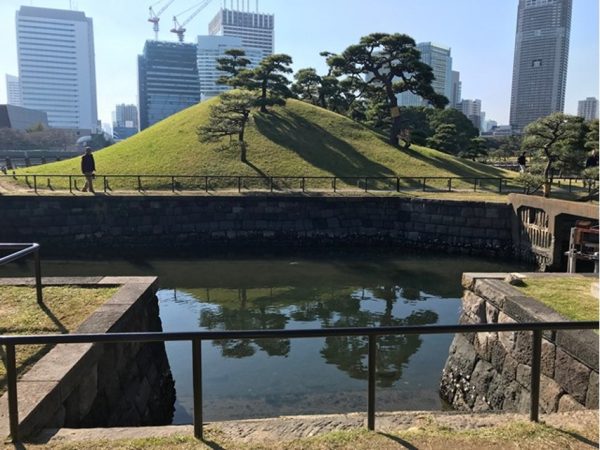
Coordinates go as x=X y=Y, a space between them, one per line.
x=255 y=29
x=211 y=48
x=439 y=59
x=13 y=91
x=472 y=109
x=588 y=108
x=57 y=72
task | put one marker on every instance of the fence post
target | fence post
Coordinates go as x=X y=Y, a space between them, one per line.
x=239 y=180
x=570 y=182
x=397 y=184
x=449 y=184
x=173 y=184
x=475 y=185
x=197 y=383
x=366 y=184
x=70 y=184
x=105 y=183
x=139 y=183
x=334 y=186
x=536 y=363
x=271 y=183
x=500 y=186
x=38 y=275
x=35 y=183
x=11 y=376
x=303 y=184
x=371 y=394
x=206 y=184
x=424 y=183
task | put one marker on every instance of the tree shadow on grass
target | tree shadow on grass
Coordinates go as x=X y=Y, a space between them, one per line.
x=317 y=146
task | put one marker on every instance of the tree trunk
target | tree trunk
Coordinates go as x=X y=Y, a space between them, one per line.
x=263 y=96
x=547 y=183
x=395 y=115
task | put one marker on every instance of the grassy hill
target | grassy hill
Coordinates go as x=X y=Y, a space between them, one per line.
x=296 y=140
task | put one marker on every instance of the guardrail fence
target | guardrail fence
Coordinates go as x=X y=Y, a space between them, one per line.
x=23 y=251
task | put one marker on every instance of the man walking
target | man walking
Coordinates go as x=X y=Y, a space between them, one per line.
x=522 y=161
x=88 y=167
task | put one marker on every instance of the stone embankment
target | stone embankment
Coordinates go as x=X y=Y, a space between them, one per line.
x=492 y=371
x=138 y=224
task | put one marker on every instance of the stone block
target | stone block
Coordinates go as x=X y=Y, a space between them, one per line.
x=513 y=398
x=572 y=375
x=506 y=338
x=509 y=369
x=582 y=344
x=550 y=392
x=548 y=358
x=524 y=376
x=591 y=400
x=568 y=403
x=523 y=347
x=474 y=306
x=482 y=376
x=491 y=313
x=497 y=354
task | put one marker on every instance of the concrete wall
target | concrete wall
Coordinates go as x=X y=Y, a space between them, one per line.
x=132 y=224
x=85 y=385
x=492 y=371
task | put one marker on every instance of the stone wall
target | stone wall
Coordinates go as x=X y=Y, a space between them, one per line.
x=101 y=385
x=134 y=224
x=492 y=371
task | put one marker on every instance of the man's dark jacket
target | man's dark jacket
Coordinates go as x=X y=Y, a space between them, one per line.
x=87 y=163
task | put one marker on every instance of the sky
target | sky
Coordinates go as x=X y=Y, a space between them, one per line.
x=480 y=33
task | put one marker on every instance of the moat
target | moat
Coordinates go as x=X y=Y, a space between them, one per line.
x=265 y=378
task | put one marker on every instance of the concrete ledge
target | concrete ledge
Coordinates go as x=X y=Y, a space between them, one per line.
x=43 y=389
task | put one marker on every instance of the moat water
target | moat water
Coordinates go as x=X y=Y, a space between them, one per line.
x=266 y=378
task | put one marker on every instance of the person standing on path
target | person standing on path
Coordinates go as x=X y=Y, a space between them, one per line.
x=522 y=160
x=88 y=167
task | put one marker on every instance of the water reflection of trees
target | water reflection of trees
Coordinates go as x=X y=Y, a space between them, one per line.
x=244 y=309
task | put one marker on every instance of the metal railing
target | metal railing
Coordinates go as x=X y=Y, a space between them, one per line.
x=10 y=342
x=23 y=251
x=208 y=183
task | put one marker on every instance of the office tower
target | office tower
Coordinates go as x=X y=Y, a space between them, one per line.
x=588 y=108
x=472 y=109
x=439 y=59
x=211 y=48
x=126 y=116
x=57 y=72
x=13 y=91
x=540 y=62
x=254 y=28
x=456 y=90
x=167 y=80
x=125 y=121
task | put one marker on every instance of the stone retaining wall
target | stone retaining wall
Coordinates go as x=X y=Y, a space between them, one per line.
x=134 y=224
x=101 y=385
x=492 y=371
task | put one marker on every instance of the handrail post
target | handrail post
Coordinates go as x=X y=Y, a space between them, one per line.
x=105 y=183
x=197 y=383
x=206 y=183
x=139 y=180
x=366 y=184
x=449 y=184
x=38 y=276
x=303 y=184
x=500 y=186
x=424 y=183
x=475 y=185
x=371 y=394
x=35 y=183
x=239 y=180
x=13 y=408
x=334 y=186
x=271 y=183
x=173 y=184
x=70 y=184
x=397 y=184
x=536 y=364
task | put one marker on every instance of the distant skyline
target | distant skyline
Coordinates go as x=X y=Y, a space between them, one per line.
x=480 y=33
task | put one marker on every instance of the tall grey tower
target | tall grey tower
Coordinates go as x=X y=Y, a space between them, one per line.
x=541 y=57
x=56 y=66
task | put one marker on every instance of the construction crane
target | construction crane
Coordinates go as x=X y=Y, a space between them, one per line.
x=155 y=17
x=179 y=28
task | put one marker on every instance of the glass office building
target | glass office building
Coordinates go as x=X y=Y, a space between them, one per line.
x=167 y=80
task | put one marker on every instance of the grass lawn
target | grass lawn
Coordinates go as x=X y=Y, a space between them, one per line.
x=570 y=296
x=516 y=435
x=66 y=307
x=296 y=140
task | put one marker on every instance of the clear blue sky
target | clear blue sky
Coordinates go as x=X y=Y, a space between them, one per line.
x=481 y=34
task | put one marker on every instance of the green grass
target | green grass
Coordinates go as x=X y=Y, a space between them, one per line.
x=296 y=140
x=514 y=435
x=66 y=307
x=569 y=296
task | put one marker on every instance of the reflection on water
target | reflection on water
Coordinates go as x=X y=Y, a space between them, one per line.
x=269 y=377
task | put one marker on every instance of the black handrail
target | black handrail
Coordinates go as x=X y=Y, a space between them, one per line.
x=24 y=250
x=196 y=337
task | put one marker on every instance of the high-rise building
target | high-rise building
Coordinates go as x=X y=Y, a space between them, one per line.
x=439 y=59
x=211 y=48
x=57 y=72
x=167 y=80
x=255 y=29
x=126 y=116
x=540 y=62
x=588 y=108
x=456 y=91
x=13 y=91
x=472 y=109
